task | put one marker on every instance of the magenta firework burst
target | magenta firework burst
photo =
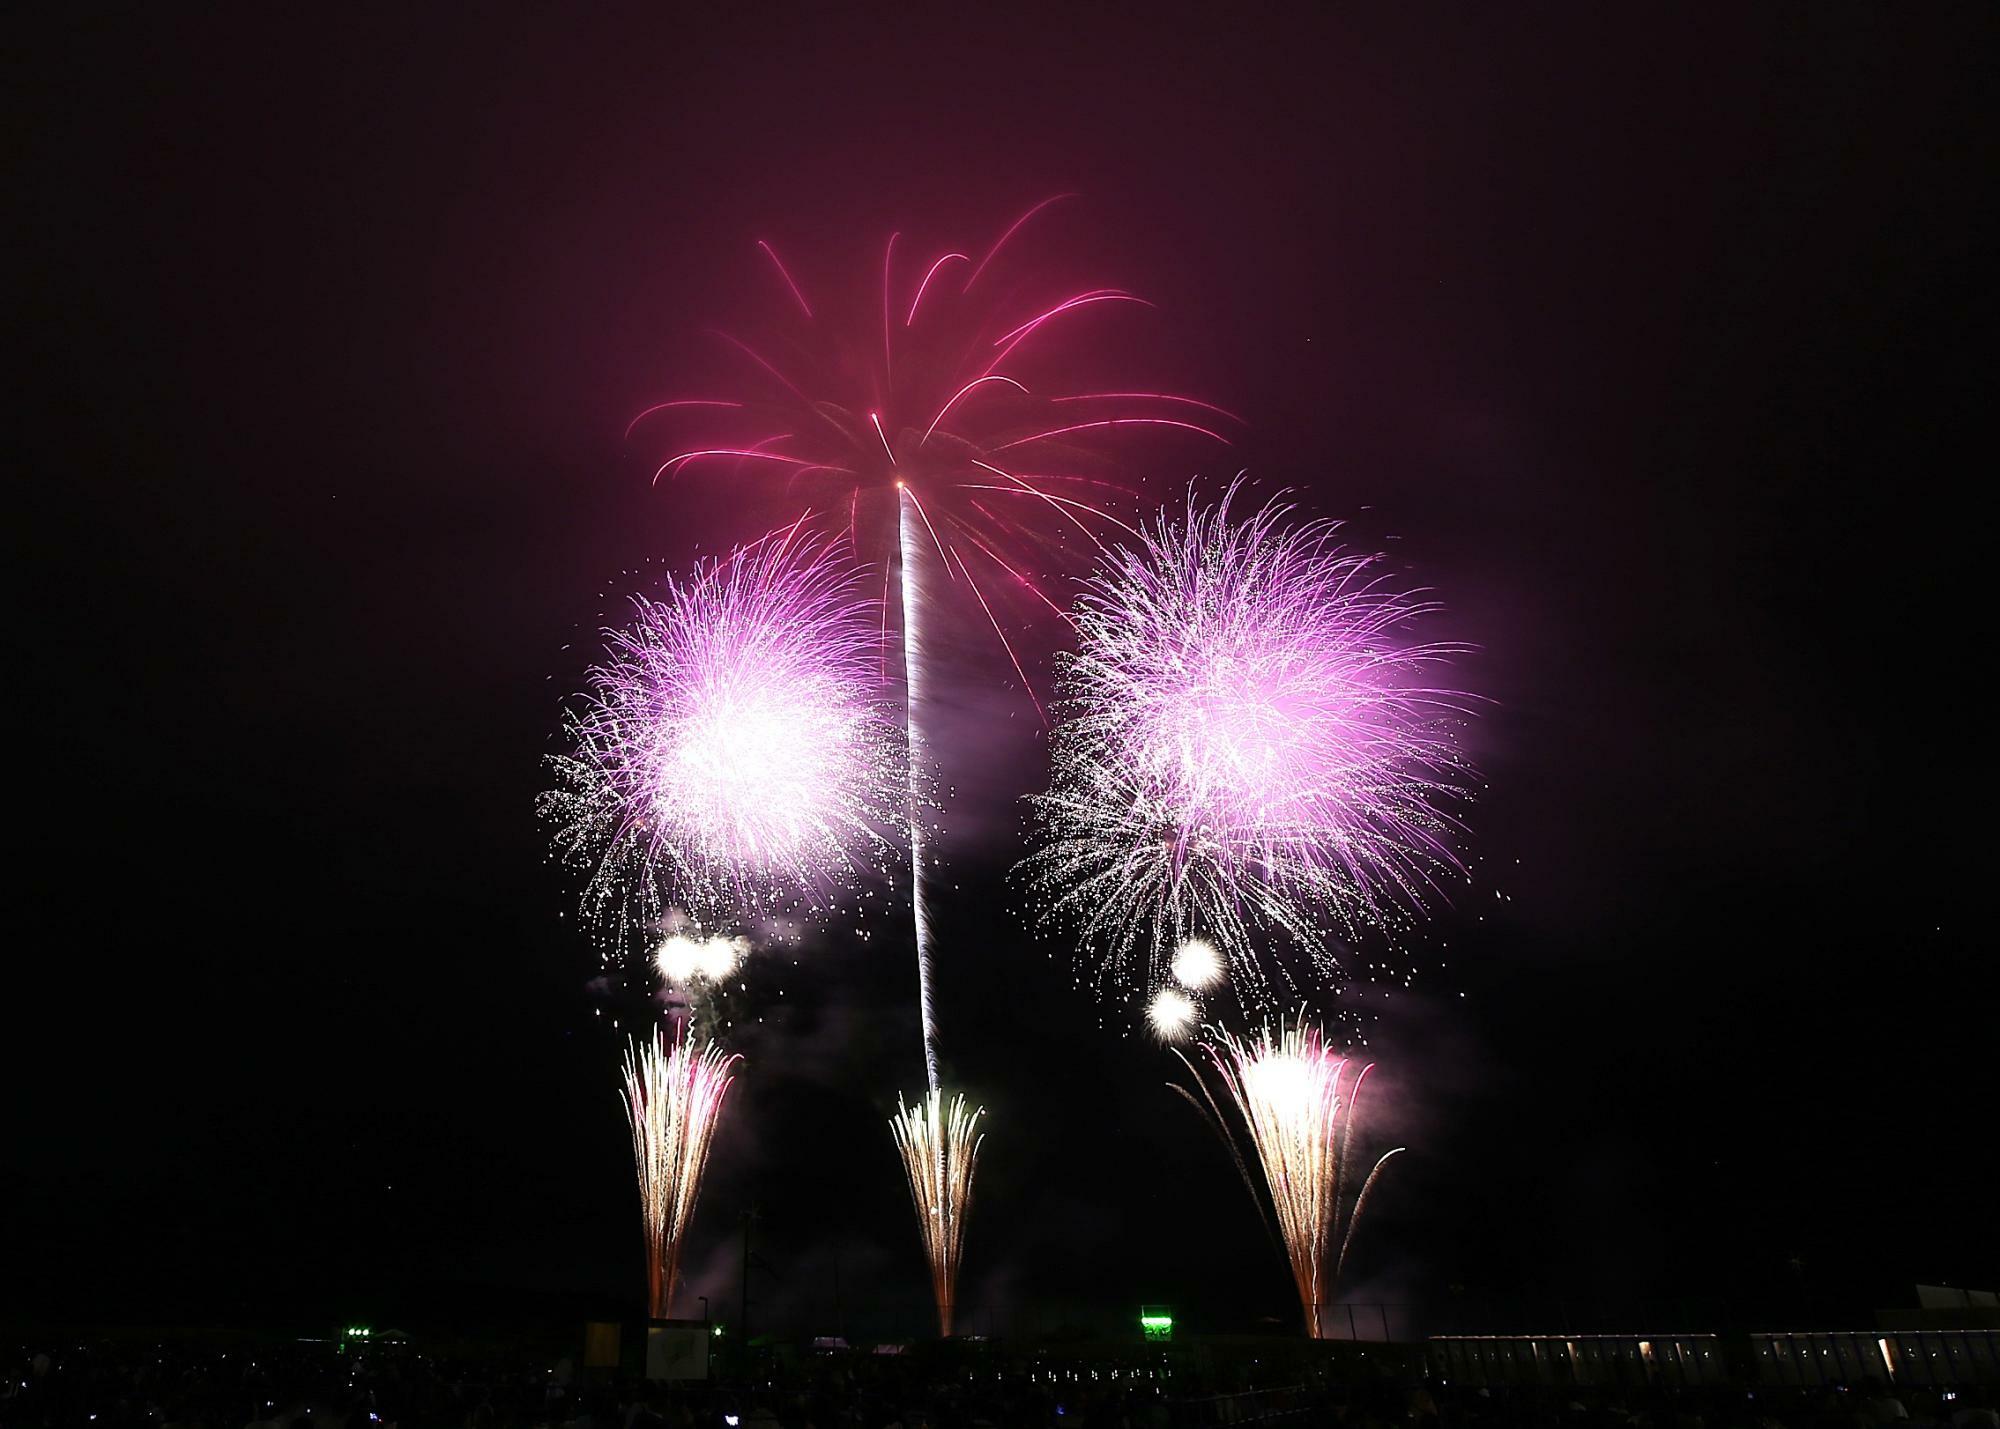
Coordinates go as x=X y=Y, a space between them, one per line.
x=943 y=386
x=1249 y=749
x=732 y=751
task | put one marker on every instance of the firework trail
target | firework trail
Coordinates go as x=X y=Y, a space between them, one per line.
x=910 y=562
x=732 y=751
x=673 y=1098
x=1299 y=1110
x=939 y=1143
x=1246 y=744
x=682 y=960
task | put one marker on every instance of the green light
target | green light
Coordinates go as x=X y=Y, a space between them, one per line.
x=1157 y=1322
x=718 y=1332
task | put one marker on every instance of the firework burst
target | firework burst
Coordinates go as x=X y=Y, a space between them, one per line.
x=938 y=389
x=673 y=1099
x=939 y=1143
x=733 y=752
x=1299 y=1108
x=1247 y=745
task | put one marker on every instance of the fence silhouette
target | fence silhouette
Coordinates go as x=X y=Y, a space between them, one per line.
x=1669 y=1344
x=1777 y=1359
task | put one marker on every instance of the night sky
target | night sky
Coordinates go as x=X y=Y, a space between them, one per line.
x=1656 y=340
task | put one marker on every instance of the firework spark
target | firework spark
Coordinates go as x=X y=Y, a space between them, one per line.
x=1247 y=744
x=673 y=1098
x=1171 y=1014
x=1196 y=964
x=939 y=1144
x=732 y=751
x=683 y=960
x=1299 y=1109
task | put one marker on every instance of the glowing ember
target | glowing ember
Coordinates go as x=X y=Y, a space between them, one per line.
x=1197 y=964
x=681 y=959
x=1171 y=1014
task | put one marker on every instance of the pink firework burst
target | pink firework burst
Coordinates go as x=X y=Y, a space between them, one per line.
x=1249 y=750
x=732 y=751
x=934 y=388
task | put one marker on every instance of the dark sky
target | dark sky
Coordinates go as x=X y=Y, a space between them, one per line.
x=1656 y=339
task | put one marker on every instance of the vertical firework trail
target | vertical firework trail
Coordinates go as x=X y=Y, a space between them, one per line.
x=997 y=473
x=1299 y=1110
x=937 y=1139
x=673 y=1098
x=908 y=551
